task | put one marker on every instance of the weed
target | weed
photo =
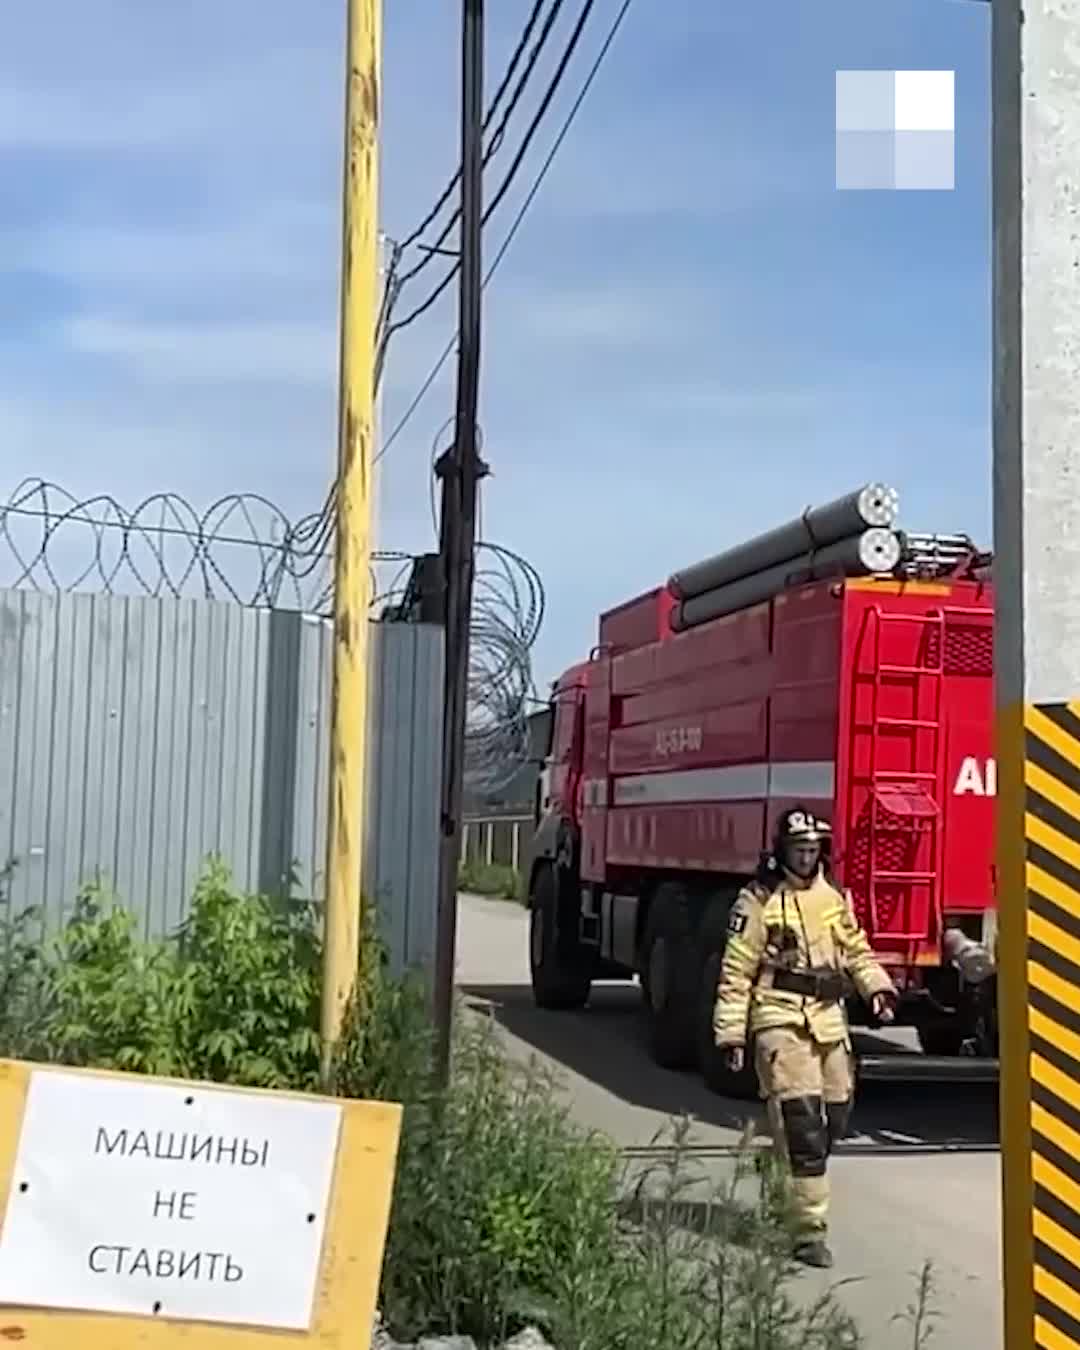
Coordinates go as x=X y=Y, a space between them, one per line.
x=497 y=1193
x=922 y=1314
x=714 y=1258
x=231 y=997
x=494 y=880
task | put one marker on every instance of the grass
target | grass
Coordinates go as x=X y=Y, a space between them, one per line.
x=494 y=880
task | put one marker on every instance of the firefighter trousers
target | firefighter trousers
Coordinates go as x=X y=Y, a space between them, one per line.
x=808 y=1089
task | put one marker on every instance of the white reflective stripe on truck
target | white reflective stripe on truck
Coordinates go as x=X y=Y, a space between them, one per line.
x=811 y=779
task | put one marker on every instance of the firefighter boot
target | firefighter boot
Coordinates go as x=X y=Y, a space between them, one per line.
x=814 y=1253
x=808 y=1147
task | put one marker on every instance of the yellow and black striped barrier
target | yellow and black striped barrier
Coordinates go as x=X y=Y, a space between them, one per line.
x=1040 y=1000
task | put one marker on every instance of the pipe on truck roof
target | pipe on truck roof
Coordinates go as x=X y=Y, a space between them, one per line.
x=875 y=506
x=874 y=551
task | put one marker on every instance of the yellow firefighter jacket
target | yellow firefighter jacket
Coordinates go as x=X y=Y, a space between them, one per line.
x=796 y=929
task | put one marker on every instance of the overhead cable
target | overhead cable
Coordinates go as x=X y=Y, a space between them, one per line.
x=432 y=251
x=511 y=173
x=523 y=210
x=515 y=61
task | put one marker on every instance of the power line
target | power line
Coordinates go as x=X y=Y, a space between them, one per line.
x=511 y=174
x=575 y=107
x=435 y=250
x=431 y=252
x=512 y=65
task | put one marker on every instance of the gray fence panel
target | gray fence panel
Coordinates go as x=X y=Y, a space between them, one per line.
x=404 y=766
x=314 y=670
x=139 y=735
x=425 y=750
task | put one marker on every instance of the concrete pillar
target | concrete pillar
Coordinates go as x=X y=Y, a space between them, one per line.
x=1036 y=101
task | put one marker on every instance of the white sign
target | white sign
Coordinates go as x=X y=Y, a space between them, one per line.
x=164 y=1201
x=975 y=779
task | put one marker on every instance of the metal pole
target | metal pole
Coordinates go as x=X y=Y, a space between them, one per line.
x=461 y=471
x=1036 y=101
x=359 y=304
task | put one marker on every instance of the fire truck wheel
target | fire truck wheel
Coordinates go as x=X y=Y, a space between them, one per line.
x=718 y=1077
x=561 y=977
x=671 y=980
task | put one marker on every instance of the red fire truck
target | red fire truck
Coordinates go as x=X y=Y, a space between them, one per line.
x=858 y=685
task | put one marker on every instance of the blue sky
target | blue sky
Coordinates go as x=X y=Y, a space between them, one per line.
x=693 y=336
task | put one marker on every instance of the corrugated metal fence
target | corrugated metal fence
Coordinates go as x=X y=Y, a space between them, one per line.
x=138 y=735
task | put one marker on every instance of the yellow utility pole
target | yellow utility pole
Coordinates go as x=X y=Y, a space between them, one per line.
x=352 y=585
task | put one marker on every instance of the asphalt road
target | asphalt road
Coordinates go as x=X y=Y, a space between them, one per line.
x=891 y=1211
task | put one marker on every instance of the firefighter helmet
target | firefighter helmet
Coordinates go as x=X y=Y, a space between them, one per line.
x=800 y=841
x=797 y=825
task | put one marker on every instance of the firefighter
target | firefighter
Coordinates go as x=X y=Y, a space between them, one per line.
x=794 y=950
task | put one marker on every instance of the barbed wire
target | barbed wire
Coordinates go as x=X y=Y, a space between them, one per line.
x=242 y=548
x=507 y=612
x=245 y=549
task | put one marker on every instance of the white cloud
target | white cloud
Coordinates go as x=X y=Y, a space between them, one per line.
x=291 y=353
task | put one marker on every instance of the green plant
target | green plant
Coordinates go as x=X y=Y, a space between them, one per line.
x=386 y=1043
x=107 y=995
x=496 y=1193
x=494 y=880
x=248 y=981
x=922 y=1313
x=704 y=1265
x=232 y=996
x=506 y=1212
x=21 y=989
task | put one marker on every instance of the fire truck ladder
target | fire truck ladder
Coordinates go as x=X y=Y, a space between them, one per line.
x=914 y=792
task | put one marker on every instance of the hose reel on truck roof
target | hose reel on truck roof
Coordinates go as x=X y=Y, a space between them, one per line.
x=851 y=536
x=872 y=507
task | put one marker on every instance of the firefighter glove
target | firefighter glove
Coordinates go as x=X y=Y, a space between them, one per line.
x=735 y=1058
x=883 y=1006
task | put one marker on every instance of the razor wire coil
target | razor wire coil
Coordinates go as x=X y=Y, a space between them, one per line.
x=244 y=548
